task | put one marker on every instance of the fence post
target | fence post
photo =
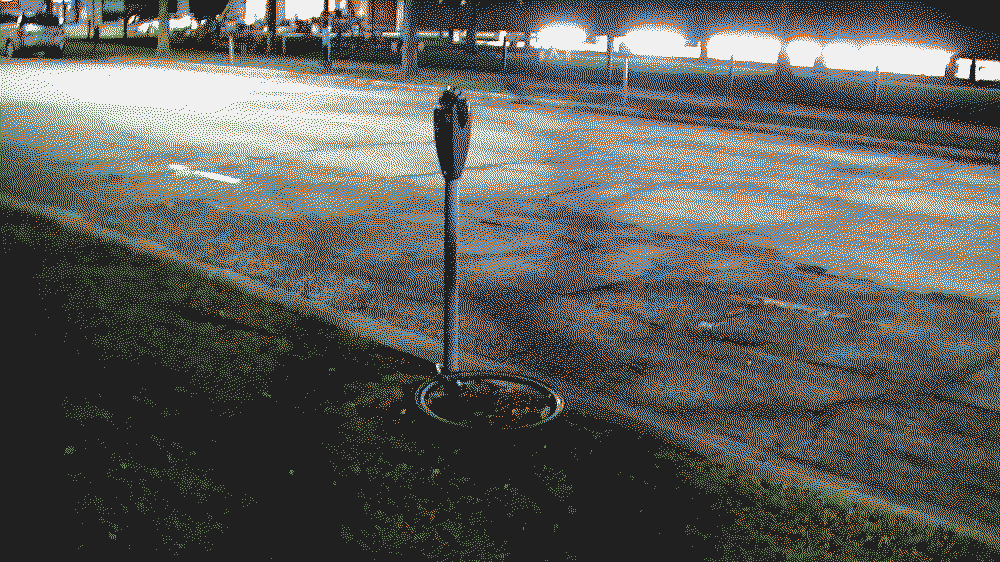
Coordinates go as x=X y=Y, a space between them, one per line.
x=878 y=89
x=732 y=78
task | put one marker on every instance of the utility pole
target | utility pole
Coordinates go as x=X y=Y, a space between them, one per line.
x=327 y=64
x=408 y=35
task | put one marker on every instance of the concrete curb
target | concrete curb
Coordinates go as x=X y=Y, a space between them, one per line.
x=835 y=138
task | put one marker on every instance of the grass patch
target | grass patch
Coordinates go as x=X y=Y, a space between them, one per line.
x=212 y=420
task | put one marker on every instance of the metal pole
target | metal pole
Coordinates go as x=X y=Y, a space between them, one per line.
x=878 y=91
x=325 y=33
x=452 y=208
x=505 y=52
x=230 y=49
x=326 y=43
x=625 y=80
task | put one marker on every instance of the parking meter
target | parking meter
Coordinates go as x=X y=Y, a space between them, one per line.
x=451 y=137
x=472 y=399
x=451 y=133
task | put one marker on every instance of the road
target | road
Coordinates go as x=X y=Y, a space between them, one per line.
x=279 y=146
x=305 y=144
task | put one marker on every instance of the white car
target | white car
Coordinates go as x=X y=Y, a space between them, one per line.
x=151 y=27
x=32 y=33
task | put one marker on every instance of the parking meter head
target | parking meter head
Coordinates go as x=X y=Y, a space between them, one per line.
x=451 y=132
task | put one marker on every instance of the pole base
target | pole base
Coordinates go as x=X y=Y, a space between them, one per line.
x=489 y=400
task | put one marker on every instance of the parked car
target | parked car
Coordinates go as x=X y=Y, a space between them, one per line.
x=185 y=25
x=32 y=33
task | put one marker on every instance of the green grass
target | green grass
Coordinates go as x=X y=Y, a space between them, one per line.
x=176 y=344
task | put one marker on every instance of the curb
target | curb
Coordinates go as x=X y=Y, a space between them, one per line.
x=836 y=138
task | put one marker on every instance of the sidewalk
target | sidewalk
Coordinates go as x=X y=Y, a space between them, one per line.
x=851 y=129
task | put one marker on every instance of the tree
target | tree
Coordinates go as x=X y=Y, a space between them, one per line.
x=476 y=7
x=951 y=70
x=453 y=10
x=163 y=29
x=143 y=9
x=408 y=34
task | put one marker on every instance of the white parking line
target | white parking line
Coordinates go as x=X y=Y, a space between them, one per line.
x=183 y=170
x=794 y=306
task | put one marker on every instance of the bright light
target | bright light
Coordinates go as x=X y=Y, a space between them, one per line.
x=745 y=47
x=985 y=69
x=803 y=52
x=257 y=7
x=227 y=90
x=175 y=23
x=656 y=41
x=888 y=56
x=304 y=8
x=561 y=35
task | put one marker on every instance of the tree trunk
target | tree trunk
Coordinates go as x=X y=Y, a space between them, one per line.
x=951 y=70
x=470 y=38
x=98 y=9
x=337 y=14
x=451 y=25
x=408 y=34
x=704 y=49
x=972 y=71
x=784 y=65
x=163 y=29
x=782 y=72
x=271 y=11
x=125 y=26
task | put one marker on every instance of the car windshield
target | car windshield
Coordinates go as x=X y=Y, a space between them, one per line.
x=42 y=19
